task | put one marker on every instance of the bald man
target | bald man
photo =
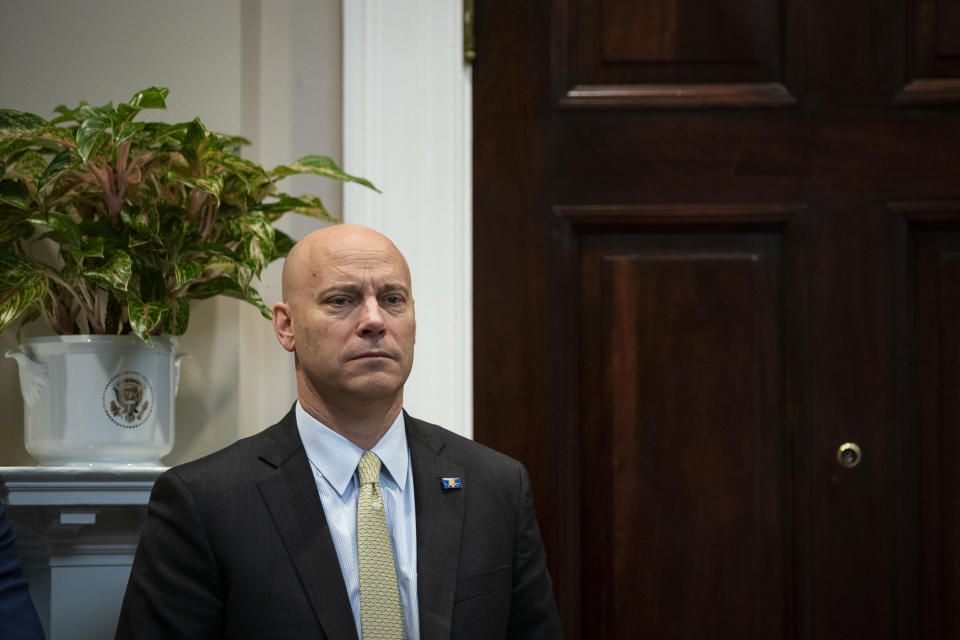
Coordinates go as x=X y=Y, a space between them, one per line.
x=271 y=537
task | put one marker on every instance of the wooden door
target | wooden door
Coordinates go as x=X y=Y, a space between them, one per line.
x=716 y=240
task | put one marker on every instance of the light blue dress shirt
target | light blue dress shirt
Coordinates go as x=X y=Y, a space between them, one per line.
x=334 y=460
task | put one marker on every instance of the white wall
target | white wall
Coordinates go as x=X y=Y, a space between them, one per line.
x=274 y=71
x=273 y=76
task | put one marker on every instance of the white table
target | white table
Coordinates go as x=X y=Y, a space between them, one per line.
x=77 y=531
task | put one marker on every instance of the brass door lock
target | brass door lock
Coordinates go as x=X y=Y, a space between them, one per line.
x=849 y=455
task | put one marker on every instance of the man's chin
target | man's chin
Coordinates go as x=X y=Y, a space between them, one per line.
x=377 y=387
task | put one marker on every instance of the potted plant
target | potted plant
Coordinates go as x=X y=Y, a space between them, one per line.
x=109 y=227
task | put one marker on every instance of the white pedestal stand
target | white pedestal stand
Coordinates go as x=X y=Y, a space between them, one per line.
x=77 y=531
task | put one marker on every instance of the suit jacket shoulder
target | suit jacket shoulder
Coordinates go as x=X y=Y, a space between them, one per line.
x=18 y=617
x=236 y=545
x=499 y=586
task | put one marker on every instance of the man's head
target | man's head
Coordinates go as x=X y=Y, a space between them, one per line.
x=347 y=314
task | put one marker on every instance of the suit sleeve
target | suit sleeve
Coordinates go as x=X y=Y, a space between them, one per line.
x=533 y=610
x=18 y=617
x=175 y=588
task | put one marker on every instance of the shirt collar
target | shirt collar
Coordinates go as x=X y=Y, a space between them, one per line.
x=336 y=458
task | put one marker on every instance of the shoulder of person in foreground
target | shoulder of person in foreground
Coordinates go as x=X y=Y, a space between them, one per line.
x=18 y=616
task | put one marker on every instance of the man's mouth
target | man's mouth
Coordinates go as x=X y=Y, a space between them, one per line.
x=372 y=354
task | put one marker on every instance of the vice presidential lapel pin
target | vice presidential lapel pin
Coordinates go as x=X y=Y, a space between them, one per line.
x=451 y=483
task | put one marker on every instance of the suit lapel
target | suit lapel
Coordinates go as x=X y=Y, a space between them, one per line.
x=291 y=496
x=439 y=528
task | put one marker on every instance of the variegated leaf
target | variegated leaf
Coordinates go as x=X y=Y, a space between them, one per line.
x=176 y=321
x=93 y=248
x=28 y=168
x=152 y=98
x=115 y=274
x=68 y=232
x=14 y=193
x=13 y=122
x=187 y=272
x=221 y=285
x=145 y=221
x=146 y=316
x=320 y=166
x=22 y=283
x=88 y=133
x=282 y=242
x=60 y=163
x=307 y=205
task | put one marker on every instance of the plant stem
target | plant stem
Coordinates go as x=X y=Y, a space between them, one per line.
x=105 y=178
x=84 y=305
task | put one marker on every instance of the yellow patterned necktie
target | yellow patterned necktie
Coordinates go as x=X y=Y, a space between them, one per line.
x=381 y=617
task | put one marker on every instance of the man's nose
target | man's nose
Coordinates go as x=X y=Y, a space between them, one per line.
x=371 y=318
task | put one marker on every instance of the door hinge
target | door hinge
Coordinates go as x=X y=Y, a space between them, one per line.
x=469 y=45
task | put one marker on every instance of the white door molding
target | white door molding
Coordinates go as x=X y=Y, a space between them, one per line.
x=407 y=127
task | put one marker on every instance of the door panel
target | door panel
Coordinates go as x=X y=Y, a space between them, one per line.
x=617 y=52
x=713 y=242
x=686 y=333
x=936 y=275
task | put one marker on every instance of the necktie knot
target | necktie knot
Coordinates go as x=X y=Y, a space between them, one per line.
x=369 y=468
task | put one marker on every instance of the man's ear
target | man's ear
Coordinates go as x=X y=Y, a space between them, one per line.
x=283 y=325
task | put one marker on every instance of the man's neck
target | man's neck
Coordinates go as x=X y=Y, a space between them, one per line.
x=362 y=423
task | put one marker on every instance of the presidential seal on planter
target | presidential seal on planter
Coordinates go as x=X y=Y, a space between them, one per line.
x=128 y=399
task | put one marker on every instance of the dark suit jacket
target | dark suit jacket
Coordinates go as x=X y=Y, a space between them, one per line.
x=236 y=545
x=18 y=617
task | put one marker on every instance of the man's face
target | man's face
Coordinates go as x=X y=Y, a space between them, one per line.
x=353 y=320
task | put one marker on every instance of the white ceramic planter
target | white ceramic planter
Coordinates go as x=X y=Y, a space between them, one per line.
x=92 y=400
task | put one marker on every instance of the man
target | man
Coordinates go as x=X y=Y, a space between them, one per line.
x=348 y=518
x=18 y=617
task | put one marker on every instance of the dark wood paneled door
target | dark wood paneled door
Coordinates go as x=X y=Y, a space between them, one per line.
x=716 y=241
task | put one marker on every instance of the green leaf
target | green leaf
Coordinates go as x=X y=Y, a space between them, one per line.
x=145 y=221
x=87 y=111
x=29 y=168
x=146 y=316
x=187 y=272
x=256 y=235
x=112 y=237
x=253 y=297
x=196 y=133
x=224 y=286
x=60 y=163
x=68 y=230
x=13 y=122
x=320 y=166
x=127 y=130
x=175 y=322
x=14 y=193
x=22 y=283
x=307 y=205
x=212 y=248
x=210 y=184
x=149 y=282
x=282 y=242
x=246 y=172
x=88 y=133
x=221 y=285
x=93 y=248
x=152 y=98
x=115 y=274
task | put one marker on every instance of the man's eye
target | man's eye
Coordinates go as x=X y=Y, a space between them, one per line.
x=338 y=301
x=393 y=299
